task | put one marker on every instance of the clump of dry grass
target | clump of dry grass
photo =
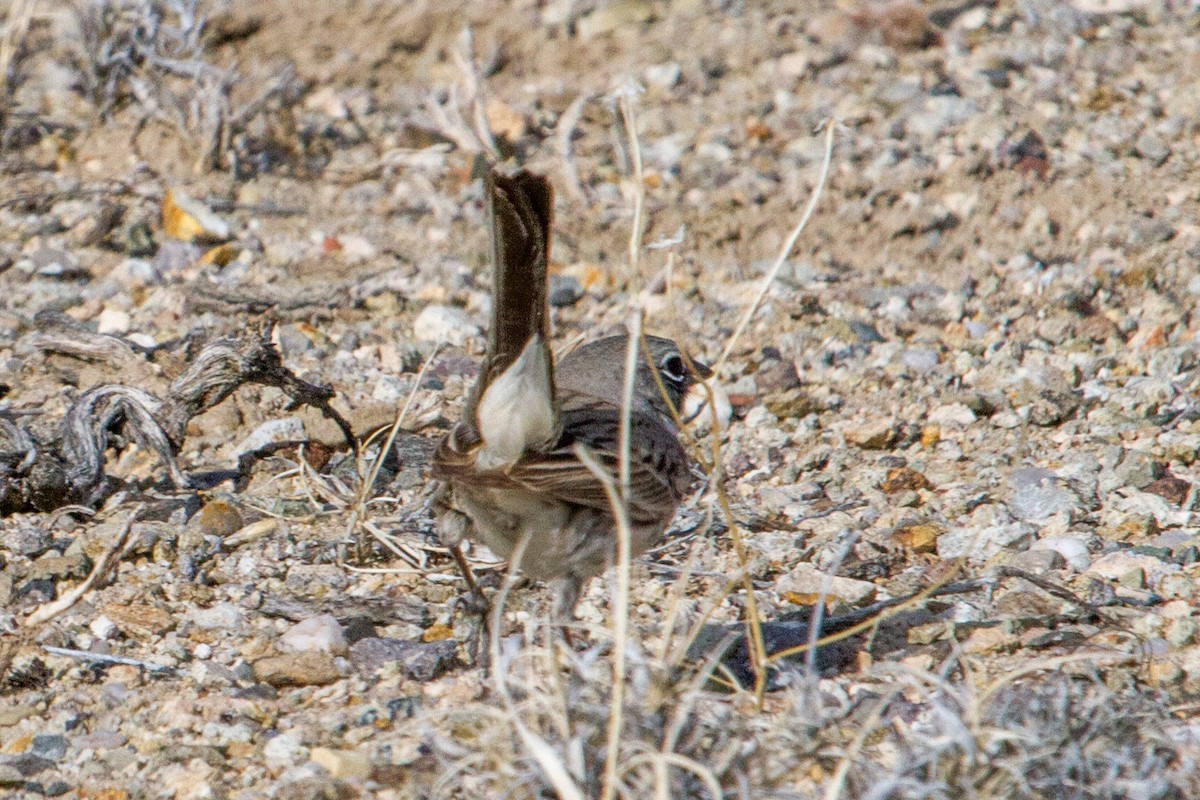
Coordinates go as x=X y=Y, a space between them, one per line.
x=892 y=734
x=14 y=49
x=678 y=740
x=151 y=55
x=1050 y=734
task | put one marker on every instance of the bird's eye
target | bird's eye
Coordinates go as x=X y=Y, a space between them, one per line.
x=673 y=368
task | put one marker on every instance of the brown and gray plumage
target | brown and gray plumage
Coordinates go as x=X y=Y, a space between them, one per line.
x=510 y=464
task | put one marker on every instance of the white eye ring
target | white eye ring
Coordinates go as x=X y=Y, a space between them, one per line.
x=673 y=368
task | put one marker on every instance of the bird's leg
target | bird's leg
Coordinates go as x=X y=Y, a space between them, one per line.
x=479 y=602
x=567 y=590
x=454 y=526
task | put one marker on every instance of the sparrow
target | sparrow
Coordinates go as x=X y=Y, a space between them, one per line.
x=514 y=479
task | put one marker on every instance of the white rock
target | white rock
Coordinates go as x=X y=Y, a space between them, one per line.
x=103 y=628
x=807 y=579
x=1129 y=502
x=1073 y=550
x=794 y=64
x=1116 y=565
x=113 y=320
x=222 y=616
x=343 y=764
x=973 y=20
x=437 y=323
x=135 y=270
x=284 y=750
x=356 y=249
x=953 y=415
x=288 y=429
x=980 y=544
x=203 y=651
x=663 y=76
x=321 y=634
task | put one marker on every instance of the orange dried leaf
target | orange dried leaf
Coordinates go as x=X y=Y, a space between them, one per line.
x=189 y=220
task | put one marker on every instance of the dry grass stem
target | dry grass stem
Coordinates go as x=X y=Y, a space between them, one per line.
x=785 y=251
x=107 y=562
x=368 y=484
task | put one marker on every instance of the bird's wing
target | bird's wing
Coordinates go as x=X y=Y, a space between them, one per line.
x=659 y=475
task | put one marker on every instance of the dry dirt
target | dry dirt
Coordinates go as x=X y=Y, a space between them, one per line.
x=978 y=363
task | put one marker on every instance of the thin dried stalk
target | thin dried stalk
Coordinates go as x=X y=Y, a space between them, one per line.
x=111 y=556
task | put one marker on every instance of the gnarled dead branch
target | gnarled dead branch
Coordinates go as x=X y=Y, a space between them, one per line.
x=43 y=467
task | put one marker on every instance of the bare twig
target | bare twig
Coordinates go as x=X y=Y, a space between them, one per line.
x=111 y=556
x=626 y=95
x=564 y=131
x=773 y=272
x=104 y=658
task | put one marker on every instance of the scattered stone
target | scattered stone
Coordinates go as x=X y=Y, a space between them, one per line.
x=1071 y=549
x=113 y=321
x=13 y=714
x=921 y=537
x=930 y=632
x=663 y=76
x=74 y=563
x=1152 y=148
x=1125 y=565
x=273 y=431
x=777 y=375
x=284 y=750
x=1135 y=528
x=990 y=640
x=565 y=291
x=222 y=616
x=297 y=669
x=903 y=479
x=1137 y=470
x=953 y=415
x=792 y=403
x=322 y=634
x=50 y=746
x=807 y=580
x=139 y=619
x=1165 y=673
x=1173 y=490
x=1176 y=584
x=873 y=435
x=218 y=518
x=1181 y=632
x=445 y=324
x=421 y=661
x=980 y=544
x=610 y=17
x=343 y=764
x=1038 y=562
x=1039 y=495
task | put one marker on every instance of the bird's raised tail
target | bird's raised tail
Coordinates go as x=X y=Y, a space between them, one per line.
x=513 y=404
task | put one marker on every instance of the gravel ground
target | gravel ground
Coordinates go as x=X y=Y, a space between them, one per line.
x=978 y=362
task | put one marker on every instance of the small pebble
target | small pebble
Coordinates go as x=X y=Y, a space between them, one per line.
x=1181 y=632
x=320 y=634
x=445 y=324
x=284 y=749
x=343 y=764
x=297 y=669
x=103 y=628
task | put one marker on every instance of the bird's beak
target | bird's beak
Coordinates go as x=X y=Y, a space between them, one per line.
x=695 y=402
